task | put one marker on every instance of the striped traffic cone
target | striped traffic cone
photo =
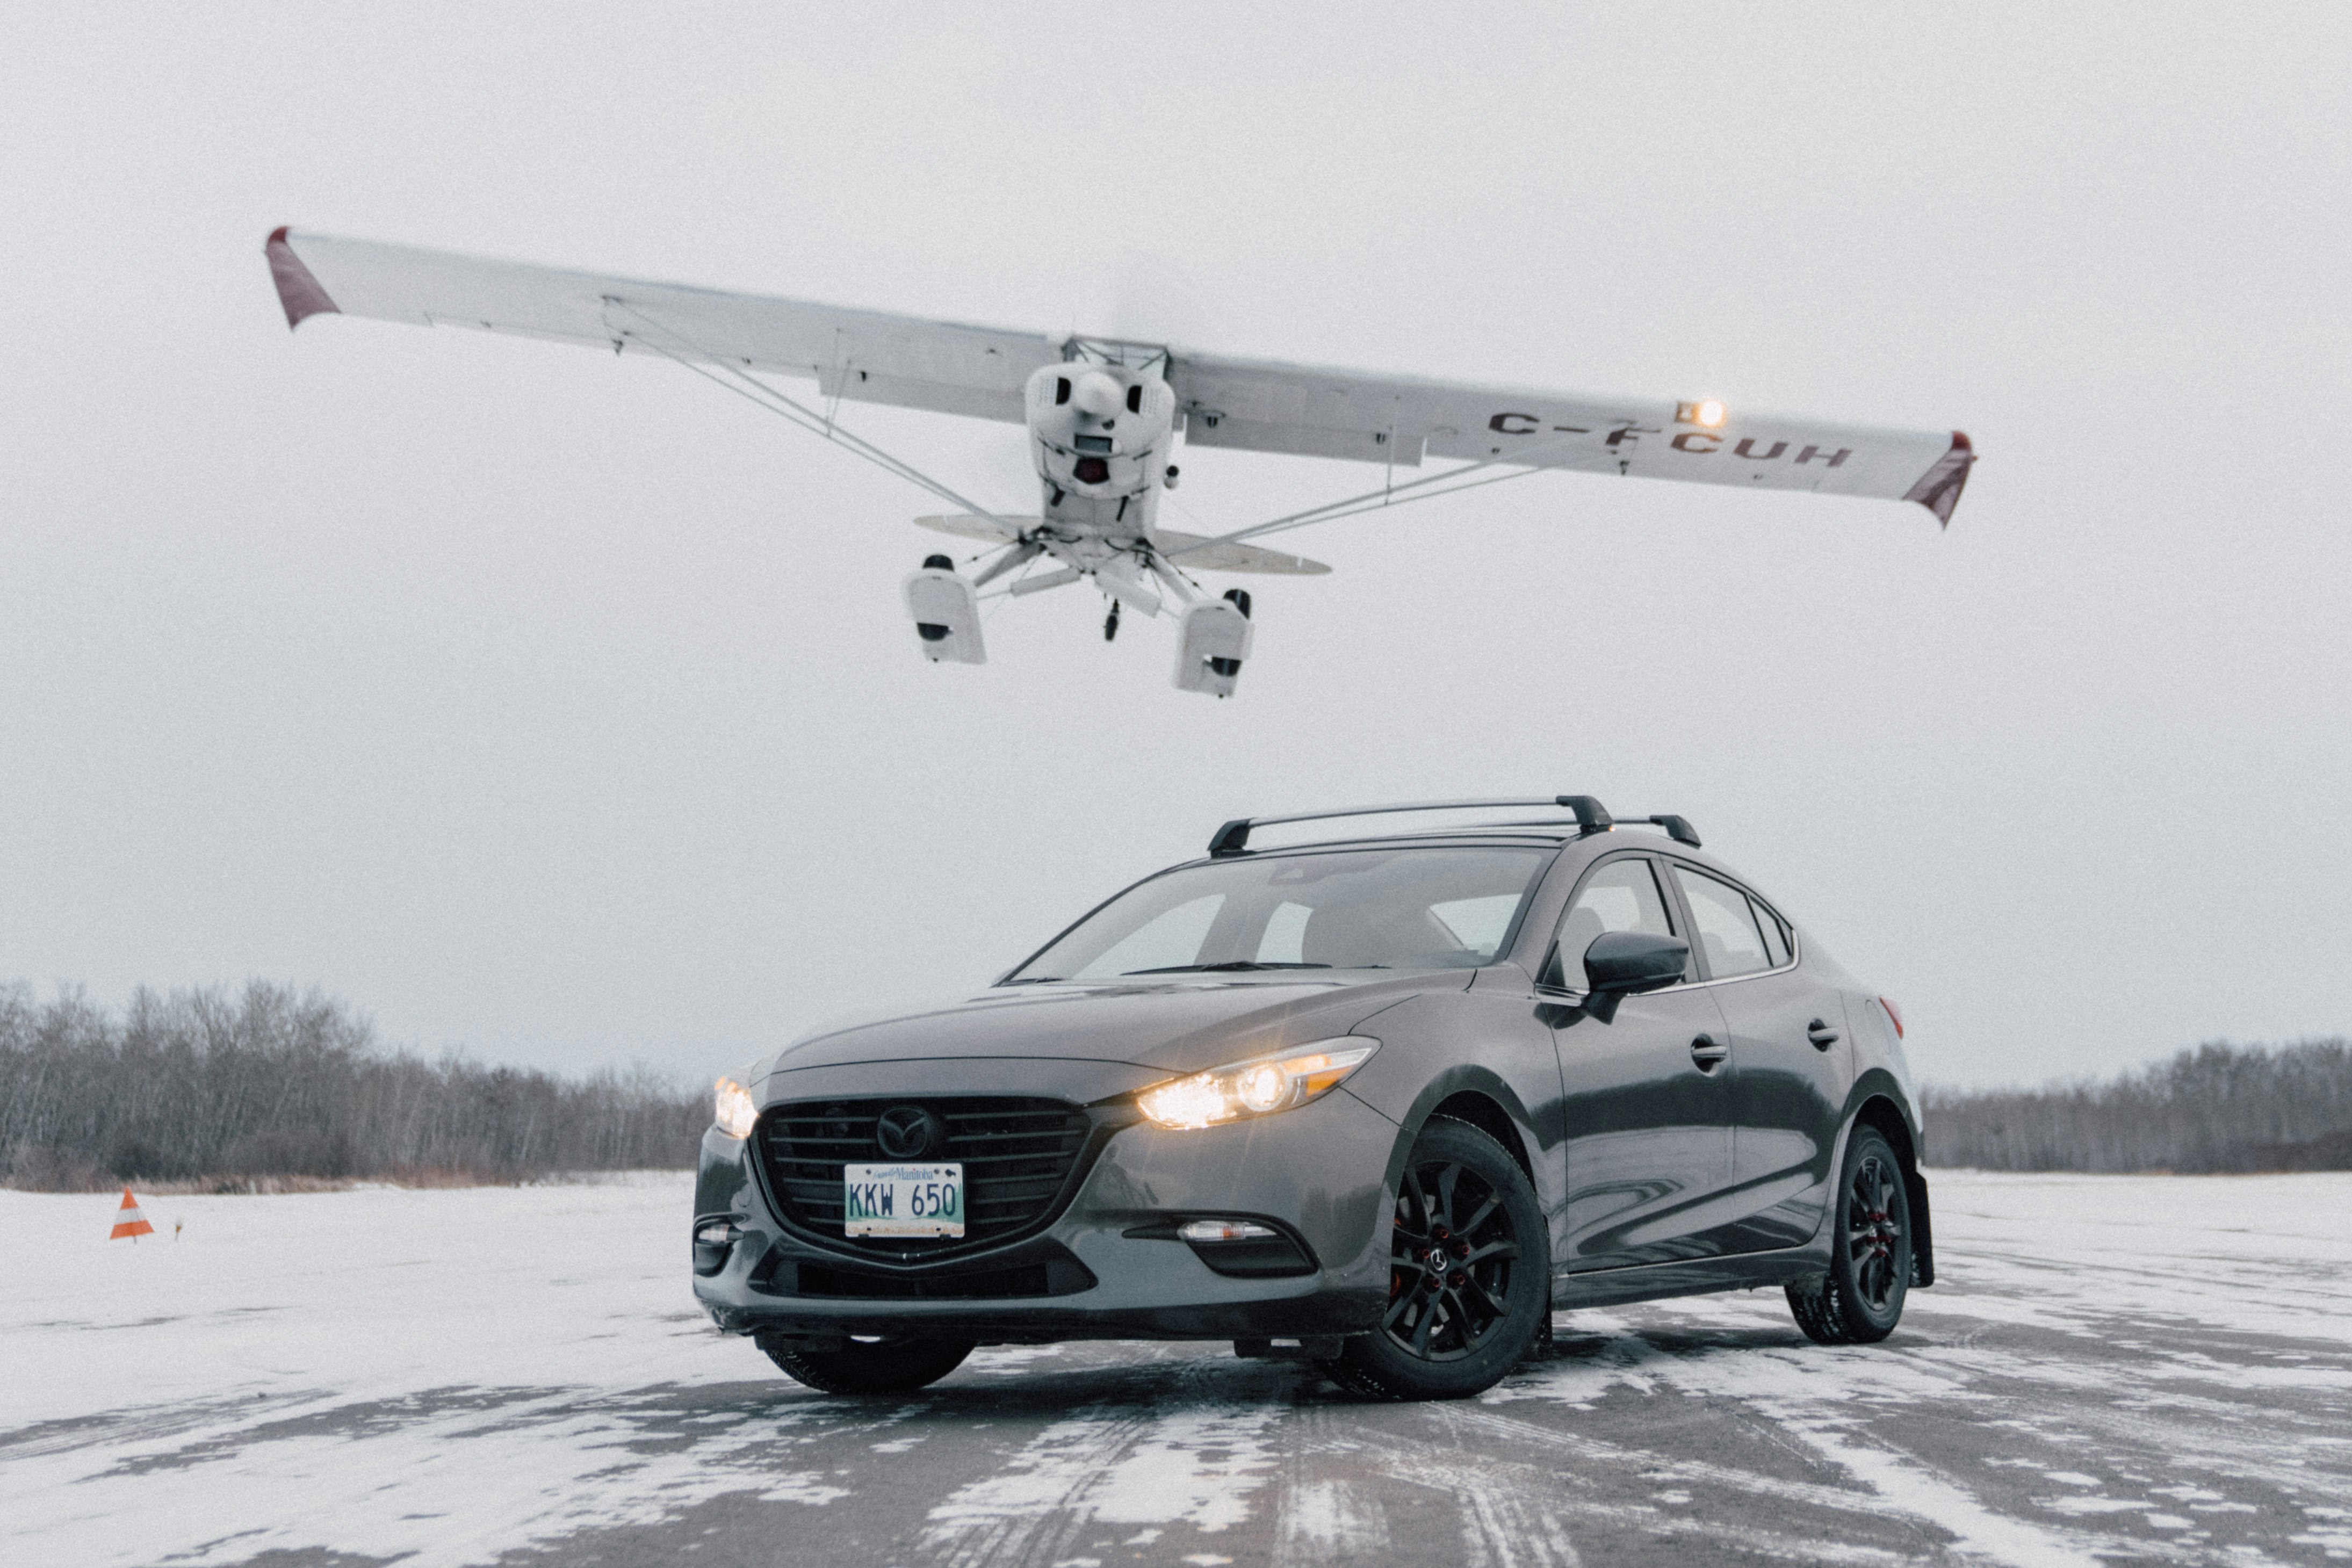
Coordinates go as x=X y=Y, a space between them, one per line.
x=128 y=1221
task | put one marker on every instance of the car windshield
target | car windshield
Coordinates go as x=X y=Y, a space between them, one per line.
x=1412 y=908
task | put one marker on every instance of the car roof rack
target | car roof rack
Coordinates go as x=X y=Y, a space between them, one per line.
x=1591 y=817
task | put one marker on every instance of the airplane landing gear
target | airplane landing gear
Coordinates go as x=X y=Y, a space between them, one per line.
x=946 y=612
x=1110 y=622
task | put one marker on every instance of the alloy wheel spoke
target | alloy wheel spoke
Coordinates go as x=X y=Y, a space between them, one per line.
x=1493 y=1249
x=1468 y=1226
x=1447 y=1180
x=1414 y=1193
x=1471 y=1334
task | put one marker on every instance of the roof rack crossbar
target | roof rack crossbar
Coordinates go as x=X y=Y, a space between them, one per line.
x=1591 y=817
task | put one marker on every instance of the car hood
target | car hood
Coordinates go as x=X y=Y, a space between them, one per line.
x=1177 y=1024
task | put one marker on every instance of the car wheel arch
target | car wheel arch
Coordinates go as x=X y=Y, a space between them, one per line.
x=1473 y=1096
x=1484 y=1113
x=1877 y=1108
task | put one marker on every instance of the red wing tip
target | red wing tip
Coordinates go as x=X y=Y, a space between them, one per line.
x=298 y=289
x=1940 y=488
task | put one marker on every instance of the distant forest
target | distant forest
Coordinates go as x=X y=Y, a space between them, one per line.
x=272 y=1086
x=2217 y=1108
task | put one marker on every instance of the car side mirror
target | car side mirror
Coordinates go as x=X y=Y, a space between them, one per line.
x=1621 y=964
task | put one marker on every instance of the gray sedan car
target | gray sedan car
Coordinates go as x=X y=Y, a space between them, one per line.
x=1382 y=1103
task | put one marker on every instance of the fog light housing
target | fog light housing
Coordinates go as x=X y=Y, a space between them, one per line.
x=713 y=1240
x=1223 y=1230
x=1237 y=1247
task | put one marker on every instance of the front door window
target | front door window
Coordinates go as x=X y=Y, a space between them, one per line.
x=1622 y=895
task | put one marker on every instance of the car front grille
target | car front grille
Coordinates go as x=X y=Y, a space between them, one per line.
x=1018 y=1155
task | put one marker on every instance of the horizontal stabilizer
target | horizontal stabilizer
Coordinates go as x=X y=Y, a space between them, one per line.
x=968 y=527
x=1195 y=553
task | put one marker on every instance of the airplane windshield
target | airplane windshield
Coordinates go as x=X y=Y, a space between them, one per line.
x=1411 y=908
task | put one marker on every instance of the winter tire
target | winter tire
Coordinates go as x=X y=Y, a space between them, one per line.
x=1469 y=1276
x=868 y=1366
x=1860 y=1300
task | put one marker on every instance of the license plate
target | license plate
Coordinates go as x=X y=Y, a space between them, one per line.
x=902 y=1200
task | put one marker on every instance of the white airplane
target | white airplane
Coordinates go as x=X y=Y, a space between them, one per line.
x=1104 y=415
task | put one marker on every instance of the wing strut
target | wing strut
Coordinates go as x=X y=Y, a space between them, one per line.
x=1426 y=488
x=746 y=385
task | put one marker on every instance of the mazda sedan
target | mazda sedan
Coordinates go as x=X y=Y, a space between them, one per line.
x=1384 y=1105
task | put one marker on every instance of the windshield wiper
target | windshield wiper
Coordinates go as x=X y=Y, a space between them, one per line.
x=1229 y=966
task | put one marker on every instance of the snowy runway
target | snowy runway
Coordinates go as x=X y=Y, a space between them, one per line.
x=2113 y=1369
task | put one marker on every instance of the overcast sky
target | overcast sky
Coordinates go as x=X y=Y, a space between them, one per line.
x=559 y=707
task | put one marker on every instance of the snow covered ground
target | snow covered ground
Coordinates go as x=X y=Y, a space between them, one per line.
x=2113 y=1369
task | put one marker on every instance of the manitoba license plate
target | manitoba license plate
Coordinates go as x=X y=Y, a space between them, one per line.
x=902 y=1200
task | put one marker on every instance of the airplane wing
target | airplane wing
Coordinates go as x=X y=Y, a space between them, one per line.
x=1264 y=406
x=873 y=357
x=867 y=356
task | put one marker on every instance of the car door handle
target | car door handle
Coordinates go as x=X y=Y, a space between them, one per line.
x=1708 y=1052
x=1821 y=1034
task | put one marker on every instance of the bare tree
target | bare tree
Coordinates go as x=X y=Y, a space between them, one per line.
x=2217 y=1108
x=272 y=1081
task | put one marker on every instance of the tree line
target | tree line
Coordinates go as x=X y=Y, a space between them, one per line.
x=204 y=1085
x=2218 y=1108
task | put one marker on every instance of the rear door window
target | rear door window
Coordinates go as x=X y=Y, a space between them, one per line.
x=1725 y=924
x=1776 y=935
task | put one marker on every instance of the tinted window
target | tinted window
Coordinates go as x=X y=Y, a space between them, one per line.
x=1725 y=926
x=1170 y=937
x=1622 y=895
x=1776 y=935
x=1431 y=907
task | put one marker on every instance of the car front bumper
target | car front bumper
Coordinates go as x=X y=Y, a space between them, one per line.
x=1317 y=1174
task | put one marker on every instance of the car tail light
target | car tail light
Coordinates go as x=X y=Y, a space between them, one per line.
x=1892 y=1012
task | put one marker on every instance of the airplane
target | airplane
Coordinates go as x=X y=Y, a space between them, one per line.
x=1103 y=416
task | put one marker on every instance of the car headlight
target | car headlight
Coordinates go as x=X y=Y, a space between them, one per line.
x=1259 y=1087
x=735 y=1109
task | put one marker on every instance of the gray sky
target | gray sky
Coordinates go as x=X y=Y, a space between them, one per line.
x=561 y=707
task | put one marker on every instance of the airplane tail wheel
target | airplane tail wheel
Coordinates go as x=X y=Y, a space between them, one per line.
x=1239 y=598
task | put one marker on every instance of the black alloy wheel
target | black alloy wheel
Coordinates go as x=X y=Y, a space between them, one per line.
x=1860 y=1300
x=893 y=1366
x=1469 y=1274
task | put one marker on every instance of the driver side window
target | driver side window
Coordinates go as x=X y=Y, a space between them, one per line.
x=1622 y=895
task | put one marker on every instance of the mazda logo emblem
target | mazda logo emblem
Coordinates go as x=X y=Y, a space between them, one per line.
x=908 y=1132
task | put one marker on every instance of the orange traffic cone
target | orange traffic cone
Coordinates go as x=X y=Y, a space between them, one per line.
x=128 y=1221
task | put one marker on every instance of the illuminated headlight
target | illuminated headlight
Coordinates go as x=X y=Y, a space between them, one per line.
x=1707 y=413
x=1257 y=1088
x=735 y=1109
